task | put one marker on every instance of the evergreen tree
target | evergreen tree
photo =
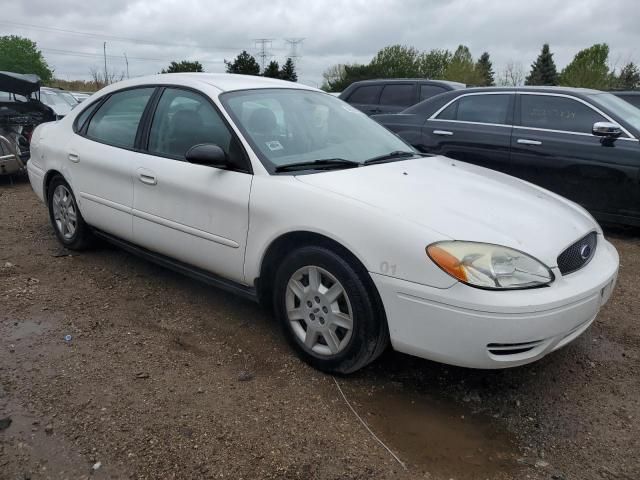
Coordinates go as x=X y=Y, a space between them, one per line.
x=244 y=64
x=629 y=77
x=288 y=71
x=485 y=70
x=543 y=70
x=272 y=70
x=183 y=66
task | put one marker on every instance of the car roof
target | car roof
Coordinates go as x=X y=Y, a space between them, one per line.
x=410 y=80
x=625 y=92
x=225 y=82
x=540 y=89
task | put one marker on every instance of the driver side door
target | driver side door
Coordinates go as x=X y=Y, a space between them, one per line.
x=196 y=214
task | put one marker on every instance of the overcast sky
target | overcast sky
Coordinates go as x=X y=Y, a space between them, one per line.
x=154 y=32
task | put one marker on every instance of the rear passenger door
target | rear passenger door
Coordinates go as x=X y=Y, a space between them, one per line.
x=553 y=146
x=396 y=97
x=100 y=159
x=366 y=98
x=194 y=213
x=475 y=128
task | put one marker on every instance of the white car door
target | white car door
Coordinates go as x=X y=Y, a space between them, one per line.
x=100 y=156
x=194 y=213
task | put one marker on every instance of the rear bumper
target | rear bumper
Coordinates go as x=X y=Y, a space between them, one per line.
x=36 y=178
x=477 y=328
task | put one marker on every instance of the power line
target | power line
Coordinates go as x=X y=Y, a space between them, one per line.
x=114 y=38
x=76 y=53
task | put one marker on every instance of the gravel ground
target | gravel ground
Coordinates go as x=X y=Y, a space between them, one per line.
x=164 y=377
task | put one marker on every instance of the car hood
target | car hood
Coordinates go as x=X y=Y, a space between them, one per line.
x=464 y=202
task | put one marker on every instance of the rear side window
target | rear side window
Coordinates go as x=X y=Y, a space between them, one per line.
x=368 y=94
x=557 y=113
x=428 y=91
x=116 y=121
x=400 y=95
x=478 y=109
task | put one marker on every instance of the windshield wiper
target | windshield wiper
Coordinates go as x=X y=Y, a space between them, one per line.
x=391 y=156
x=323 y=164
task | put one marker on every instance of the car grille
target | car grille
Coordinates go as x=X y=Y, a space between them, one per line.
x=578 y=255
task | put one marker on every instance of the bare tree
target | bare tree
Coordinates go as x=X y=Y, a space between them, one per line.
x=512 y=75
x=100 y=80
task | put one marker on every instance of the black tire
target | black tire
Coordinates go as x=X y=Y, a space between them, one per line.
x=81 y=237
x=369 y=335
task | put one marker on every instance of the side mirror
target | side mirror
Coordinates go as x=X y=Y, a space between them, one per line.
x=208 y=154
x=607 y=130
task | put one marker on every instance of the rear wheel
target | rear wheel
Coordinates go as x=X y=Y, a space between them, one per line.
x=329 y=313
x=65 y=217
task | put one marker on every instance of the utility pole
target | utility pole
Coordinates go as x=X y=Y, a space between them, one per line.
x=295 y=49
x=263 y=45
x=126 y=61
x=104 y=50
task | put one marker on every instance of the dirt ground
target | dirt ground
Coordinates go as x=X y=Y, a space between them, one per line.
x=164 y=377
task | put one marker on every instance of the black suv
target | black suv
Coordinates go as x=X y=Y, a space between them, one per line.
x=393 y=95
x=582 y=144
x=631 y=96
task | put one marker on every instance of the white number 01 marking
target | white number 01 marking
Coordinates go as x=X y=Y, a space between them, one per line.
x=388 y=268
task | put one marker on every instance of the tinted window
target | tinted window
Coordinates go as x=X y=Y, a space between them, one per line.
x=184 y=119
x=557 y=113
x=116 y=121
x=368 y=94
x=483 y=108
x=632 y=99
x=401 y=95
x=428 y=91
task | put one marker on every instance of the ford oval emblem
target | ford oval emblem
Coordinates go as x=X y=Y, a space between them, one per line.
x=585 y=251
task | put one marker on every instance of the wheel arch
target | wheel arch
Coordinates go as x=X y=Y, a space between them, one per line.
x=280 y=247
x=48 y=177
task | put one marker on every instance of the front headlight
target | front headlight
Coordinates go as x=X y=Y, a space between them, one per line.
x=489 y=266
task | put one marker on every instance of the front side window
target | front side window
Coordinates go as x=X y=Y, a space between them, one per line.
x=557 y=113
x=399 y=95
x=622 y=107
x=478 y=109
x=367 y=94
x=286 y=126
x=116 y=121
x=183 y=119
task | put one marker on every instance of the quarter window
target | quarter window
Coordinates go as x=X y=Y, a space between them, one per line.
x=398 y=95
x=184 y=119
x=478 y=109
x=116 y=121
x=557 y=113
x=366 y=95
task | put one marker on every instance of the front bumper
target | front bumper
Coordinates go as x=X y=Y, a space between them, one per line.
x=477 y=328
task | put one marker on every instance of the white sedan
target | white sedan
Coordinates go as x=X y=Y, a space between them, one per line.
x=287 y=195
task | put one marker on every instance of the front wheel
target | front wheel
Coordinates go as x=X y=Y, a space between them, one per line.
x=329 y=312
x=65 y=217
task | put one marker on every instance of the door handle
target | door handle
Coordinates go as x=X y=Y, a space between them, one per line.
x=73 y=157
x=147 y=176
x=442 y=132
x=524 y=141
x=148 y=179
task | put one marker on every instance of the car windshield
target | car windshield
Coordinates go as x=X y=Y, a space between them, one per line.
x=70 y=99
x=55 y=101
x=287 y=126
x=621 y=108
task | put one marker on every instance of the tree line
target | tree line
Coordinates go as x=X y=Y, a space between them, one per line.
x=589 y=69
